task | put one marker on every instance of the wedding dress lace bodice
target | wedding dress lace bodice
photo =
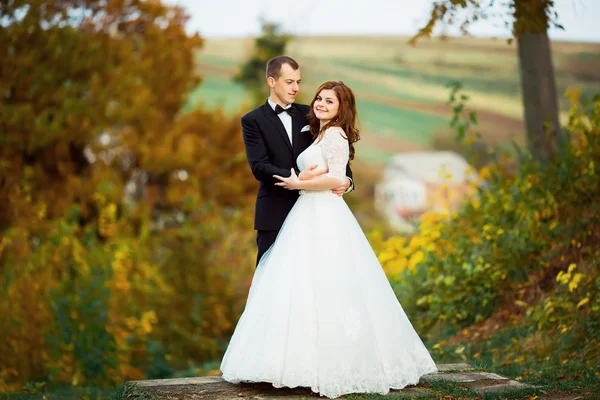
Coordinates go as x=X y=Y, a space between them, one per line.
x=330 y=152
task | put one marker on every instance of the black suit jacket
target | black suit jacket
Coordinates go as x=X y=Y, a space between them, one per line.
x=269 y=153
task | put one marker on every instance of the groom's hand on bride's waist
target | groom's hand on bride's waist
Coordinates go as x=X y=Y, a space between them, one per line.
x=312 y=172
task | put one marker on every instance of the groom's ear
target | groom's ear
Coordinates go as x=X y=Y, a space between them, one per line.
x=271 y=82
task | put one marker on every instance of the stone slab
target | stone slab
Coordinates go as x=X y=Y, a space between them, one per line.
x=454 y=367
x=502 y=387
x=215 y=388
x=464 y=377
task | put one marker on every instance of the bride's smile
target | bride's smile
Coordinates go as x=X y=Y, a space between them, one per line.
x=326 y=106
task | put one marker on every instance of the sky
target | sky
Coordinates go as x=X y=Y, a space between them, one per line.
x=236 y=18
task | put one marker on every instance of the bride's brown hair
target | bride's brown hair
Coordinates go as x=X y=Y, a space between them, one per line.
x=345 y=118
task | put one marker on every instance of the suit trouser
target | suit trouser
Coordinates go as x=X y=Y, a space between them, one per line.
x=264 y=240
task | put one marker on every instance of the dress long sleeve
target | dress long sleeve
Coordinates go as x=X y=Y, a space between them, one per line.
x=336 y=152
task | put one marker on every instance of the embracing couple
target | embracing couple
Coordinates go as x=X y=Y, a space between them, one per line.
x=320 y=312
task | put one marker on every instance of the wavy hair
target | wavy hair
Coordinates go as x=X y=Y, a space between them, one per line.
x=346 y=117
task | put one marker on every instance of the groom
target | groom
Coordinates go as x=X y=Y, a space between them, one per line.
x=275 y=134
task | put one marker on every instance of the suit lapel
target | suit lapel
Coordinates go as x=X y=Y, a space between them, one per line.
x=272 y=116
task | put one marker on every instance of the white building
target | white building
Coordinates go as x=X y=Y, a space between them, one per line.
x=414 y=183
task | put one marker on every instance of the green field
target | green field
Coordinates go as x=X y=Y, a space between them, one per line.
x=218 y=91
x=402 y=90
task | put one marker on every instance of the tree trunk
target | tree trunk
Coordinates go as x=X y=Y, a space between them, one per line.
x=539 y=94
x=538 y=84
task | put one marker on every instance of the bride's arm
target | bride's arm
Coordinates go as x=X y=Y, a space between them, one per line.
x=336 y=152
x=322 y=182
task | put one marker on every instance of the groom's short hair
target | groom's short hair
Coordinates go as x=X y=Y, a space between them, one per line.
x=275 y=63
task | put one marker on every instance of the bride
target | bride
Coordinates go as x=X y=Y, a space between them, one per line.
x=320 y=312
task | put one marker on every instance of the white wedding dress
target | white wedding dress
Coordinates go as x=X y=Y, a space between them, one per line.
x=320 y=312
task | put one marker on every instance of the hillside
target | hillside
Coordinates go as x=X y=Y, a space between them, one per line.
x=402 y=90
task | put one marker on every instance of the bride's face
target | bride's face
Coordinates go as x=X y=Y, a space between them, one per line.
x=326 y=105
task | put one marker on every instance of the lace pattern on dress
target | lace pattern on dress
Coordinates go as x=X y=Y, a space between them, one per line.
x=336 y=152
x=348 y=376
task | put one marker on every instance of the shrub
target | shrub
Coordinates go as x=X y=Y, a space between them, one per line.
x=526 y=247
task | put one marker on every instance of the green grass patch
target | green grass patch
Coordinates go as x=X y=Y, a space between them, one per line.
x=129 y=391
x=215 y=60
x=493 y=83
x=587 y=56
x=35 y=391
x=361 y=88
x=399 y=123
x=448 y=390
x=39 y=391
x=559 y=362
x=217 y=91
x=373 y=155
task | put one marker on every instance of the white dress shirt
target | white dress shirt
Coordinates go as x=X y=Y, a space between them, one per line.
x=285 y=118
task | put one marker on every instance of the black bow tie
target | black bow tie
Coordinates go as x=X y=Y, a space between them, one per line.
x=291 y=110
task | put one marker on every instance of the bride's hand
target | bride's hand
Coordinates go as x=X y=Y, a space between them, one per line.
x=291 y=183
x=311 y=172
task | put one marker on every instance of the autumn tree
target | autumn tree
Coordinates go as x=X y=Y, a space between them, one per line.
x=271 y=43
x=530 y=22
x=125 y=225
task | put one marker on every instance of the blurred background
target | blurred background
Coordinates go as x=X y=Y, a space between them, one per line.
x=126 y=201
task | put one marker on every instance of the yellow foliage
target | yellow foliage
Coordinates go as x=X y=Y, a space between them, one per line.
x=583 y=302
x=126 y=241
x=461 y=268
x=575 y=281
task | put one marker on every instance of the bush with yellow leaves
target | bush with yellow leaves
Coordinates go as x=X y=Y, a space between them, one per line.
x=527 y=245
x=126 y=242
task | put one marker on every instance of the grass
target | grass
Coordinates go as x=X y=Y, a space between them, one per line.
x=363 y=86
x=473 y=80
x=123 y=392
x=373 y=155
x=369 y=84
x=372 y=83
x=403 y=124
x=553 y=376
x=60 y=393
x=131 y=392
x=217 y=91
x=215 y=60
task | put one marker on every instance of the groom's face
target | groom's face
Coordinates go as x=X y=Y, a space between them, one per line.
x=286 y=86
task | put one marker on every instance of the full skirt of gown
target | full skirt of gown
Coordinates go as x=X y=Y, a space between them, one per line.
x=321 y=313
